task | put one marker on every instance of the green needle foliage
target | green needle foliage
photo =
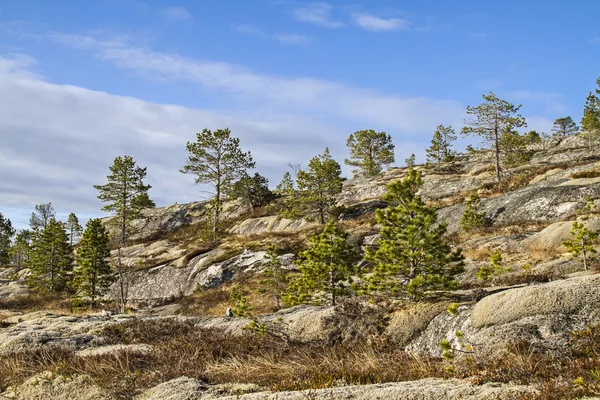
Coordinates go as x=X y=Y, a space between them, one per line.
x=276 y=278
x=92 y=278
x=50 y=259
x=413 y=256
x=496 y=268
x=441 y=145
x=122 y=192
x=318 y=187
x=254 y=190
x=490 y=120
x=21 y=249
x=6 y=234
x=410 y=161
x=473 y=217
x=73 y=228
x=564 y=127
x=326 y=269
x=583 y=244
x=237 y=299
x=217 y=159
x=41 y=216
x=370 y=151
x=590 y=123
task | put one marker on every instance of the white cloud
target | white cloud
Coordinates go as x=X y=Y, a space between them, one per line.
x=317 y=13
x=376 y=24
x=292 y=39
x=177 y=14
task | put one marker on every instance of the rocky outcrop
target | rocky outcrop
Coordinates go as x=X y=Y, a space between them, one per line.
x=270 y=224
x=168 y=281
x=425 y=389
x=57 y=387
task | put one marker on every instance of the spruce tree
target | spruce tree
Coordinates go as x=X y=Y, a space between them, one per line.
x=50 y=259
x=6 y=233
x=276 y=278
x=370 y=152
x=441 y=145
x=564 y=127
x=41 y=216
x=318 y=186
x=73 y=228
x=413 y=256
x=326 y=268
x=217 y=159
x=491 y=119
x=93 y=276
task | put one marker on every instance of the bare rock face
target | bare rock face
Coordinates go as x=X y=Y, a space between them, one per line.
x=270 y=224
x=169 y=281
x=57 y=387
x=425 y=389
x=554 y=235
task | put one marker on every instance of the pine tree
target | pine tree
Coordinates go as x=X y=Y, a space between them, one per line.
x=472 y=217
x=73 y=228
x=50 y=259
x=441 y=145
x=326 y=268
x=239 y=303
x=93 y=276
x=410 y=161
x=370 y=151
x=143 y=201
x=276 y=278
x=583 y=244
x=492 y=118
x=217 y=159
x=319 y=185
x=564 y=127
x=513 y=148
x=122 y=194
x=590 y=123
x=413 y=256
x=21 y=248
x=286 y=186
x=6 y=234
x=533 y=137
x=41 y=216
x=290 y=207
x=254 y=190
x=125 y=185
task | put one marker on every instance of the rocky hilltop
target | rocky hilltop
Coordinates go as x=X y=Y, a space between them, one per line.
x=179 y=282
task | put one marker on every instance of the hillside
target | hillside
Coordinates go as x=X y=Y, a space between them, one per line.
x=530 y=332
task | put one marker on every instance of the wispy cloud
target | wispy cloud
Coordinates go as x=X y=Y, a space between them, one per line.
x=177 y=14
x=373 y=23
x=317 y=13
x=292 y=39
x=249 y=29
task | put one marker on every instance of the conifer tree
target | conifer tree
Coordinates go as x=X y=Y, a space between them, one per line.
x=319 y=185
x=50 y=258
x=583 y=244
x=413 y=256
x=73 y=228
x=513 y=148
x=254 y=190
x=143 y=201
x=93 y=276
x=326 y=268
x=410 y=161
x=217 y=159
x=125 y=185
x=370 y=152
x=239 y=303
x=286 y=186
x=473 y=217
x=590 y=123
x=564 y=127
x=6 y=234
x=41 y=216
x=21 y=248
x=441 y=145
x=276 y=278
x=290 y=207
x=491 y=119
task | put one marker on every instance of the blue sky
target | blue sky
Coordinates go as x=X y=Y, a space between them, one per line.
x=84 y=81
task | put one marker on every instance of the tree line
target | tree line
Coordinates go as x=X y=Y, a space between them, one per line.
x=59 y=261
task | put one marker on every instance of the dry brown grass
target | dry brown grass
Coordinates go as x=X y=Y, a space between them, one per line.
x=181 y=349
x=48 y=302
x=537 y=254
x=478 y=254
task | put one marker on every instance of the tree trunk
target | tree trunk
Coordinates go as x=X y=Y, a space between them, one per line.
x=584 y=255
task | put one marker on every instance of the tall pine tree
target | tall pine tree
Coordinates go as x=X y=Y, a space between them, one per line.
x=93 y=276
x=590 y=123
x=41 y=216
x=490 y=120
x=370 y=152
x=441 y=145
x=50 y=259
x=319 y=185
x=6 y=233
x=73 y=228
x=564 y=127
x=413 y=256
x=326 y=268
x=217 y=159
